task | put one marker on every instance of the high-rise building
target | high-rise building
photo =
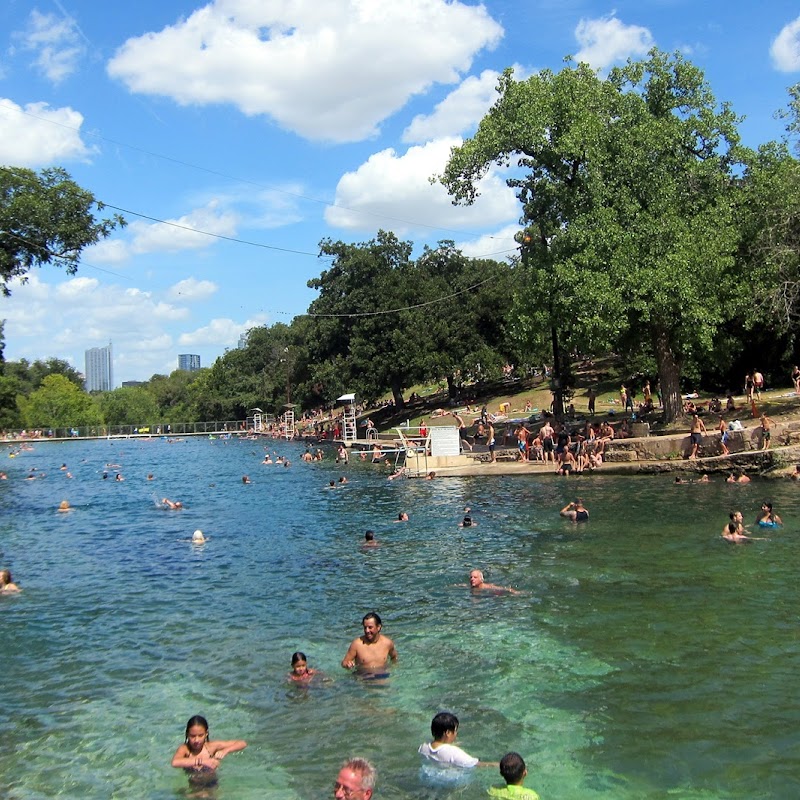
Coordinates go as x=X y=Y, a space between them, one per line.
x=242 y=341
x=99 y=369
x=189 y=362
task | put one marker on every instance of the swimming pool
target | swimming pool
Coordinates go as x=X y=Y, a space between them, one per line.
x=644 y=658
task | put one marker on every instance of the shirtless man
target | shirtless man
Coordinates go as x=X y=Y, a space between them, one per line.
x=373 y=649
x=696 y=434
x=546 y=434
x=462 y=430
x=737 y=520
x=477 y=584
x=766 y=432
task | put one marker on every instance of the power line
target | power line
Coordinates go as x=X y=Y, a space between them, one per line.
x=220 y=174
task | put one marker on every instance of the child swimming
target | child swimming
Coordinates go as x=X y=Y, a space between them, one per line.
x=199 y=756
x=300 y=669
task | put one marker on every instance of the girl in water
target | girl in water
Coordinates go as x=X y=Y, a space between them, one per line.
x=199 y=756
x=301 y=672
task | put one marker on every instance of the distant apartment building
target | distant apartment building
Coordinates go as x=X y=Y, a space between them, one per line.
x=99 y=369
x=188 y=362
x=133 y=384
x=242 y=341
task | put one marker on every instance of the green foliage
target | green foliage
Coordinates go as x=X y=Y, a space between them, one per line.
x=58 y=403
x=45 y=218
x=627 y=189
x=133 y=405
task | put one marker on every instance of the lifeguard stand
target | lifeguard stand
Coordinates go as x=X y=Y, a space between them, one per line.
x=288 y=421
x=255 y=420
x=349 y=432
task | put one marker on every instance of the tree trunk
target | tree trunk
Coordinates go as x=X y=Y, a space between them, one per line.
x=397 y=393
x=557 y=380
x=452 y=389
x=669 y=374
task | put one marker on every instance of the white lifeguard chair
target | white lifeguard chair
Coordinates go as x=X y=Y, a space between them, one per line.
x=288 y=421
x=349 y=431
x=255 y=420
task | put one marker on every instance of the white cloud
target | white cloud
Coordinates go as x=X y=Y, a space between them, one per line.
x=183 y=233
x=606 y=40
x=785 y=49
x=37 y=135
x=67 y=317
x=56 y=42
x=395 y=192
x=498 y=245
x=328 y=71
x=220 y=332
x=191 y=289
x=188 y=232
x=460 y=111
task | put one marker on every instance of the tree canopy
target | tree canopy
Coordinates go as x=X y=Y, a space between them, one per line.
x=627 y=186
x=45 y=218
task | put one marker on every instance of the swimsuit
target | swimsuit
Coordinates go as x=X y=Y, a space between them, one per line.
x=582 y=516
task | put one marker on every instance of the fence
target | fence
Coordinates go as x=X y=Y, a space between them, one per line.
x=158 y=429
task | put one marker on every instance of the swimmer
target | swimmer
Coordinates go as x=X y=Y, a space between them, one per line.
x=301 y=672
x=369 y=540
x=118 y=477
x=149 y=476
x=246 y=480
x=3 y=476
x=371 y=650
x=199 y=756
x=731 y=533
x=64 y=506
x=171 y=505
x=267 y=459
x=198 y=537
x=478 y=584
x=63 y=467
x=7 y=585
x=738 y=521
x=737 y=477
x=430 y=476
x=467 y=522
x=342 y=480
x=768 y=519
x=576 y=511
x=331 y=484
x=399 y=474
x=402 y=517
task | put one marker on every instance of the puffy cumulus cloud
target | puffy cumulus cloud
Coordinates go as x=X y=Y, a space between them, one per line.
x=461 y=110
x=220 y=332
x=36 y=135
x=65 y=318
x=391 y=190
x=606 y=40
x=785 y=49
x=56 y=43
x=188 y=232
x=184 y=233
x=499 y=245
x=327 y=71
x=191 y=289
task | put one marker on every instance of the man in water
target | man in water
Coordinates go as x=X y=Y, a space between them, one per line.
x=355 y=781
x=477 y=584
x=373 y=649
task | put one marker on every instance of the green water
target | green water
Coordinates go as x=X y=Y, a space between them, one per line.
x=645 y=657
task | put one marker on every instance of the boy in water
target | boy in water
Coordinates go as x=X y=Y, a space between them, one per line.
x=444 y=729
x=513 y=770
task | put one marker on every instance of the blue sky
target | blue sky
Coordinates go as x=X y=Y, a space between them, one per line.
x=281 y=122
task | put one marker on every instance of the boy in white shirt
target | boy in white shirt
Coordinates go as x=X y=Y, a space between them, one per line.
x=444 y=729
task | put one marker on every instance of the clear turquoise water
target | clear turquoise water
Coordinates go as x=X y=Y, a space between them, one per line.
x=646 y=658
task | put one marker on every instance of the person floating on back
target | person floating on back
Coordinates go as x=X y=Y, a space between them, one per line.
x=513 y=770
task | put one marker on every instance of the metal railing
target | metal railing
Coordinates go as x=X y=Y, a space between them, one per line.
x=144 y=430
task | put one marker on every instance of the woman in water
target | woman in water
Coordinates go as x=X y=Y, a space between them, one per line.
x=199 y=756
x=7 y=585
